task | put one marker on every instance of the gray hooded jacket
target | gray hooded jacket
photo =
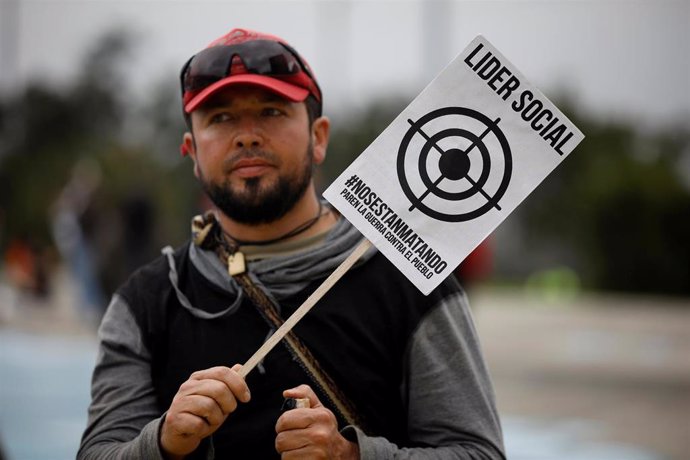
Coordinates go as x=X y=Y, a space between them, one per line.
x=449 y=398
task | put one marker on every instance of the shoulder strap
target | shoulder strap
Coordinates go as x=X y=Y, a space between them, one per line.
x=205 y=234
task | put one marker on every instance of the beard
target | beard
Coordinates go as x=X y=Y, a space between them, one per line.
x=256 y=202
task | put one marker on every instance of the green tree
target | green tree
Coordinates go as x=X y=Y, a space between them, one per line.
x=46 y=131
x=621 y=205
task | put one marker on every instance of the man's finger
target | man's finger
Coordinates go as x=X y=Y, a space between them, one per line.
x=230 y=377
x=203 y=407
x=216 y=390
x=296 y=439
x=303 y=391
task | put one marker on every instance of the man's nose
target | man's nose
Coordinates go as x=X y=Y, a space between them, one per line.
x=248 y=135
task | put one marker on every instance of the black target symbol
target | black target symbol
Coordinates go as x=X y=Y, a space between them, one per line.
x=454 y=165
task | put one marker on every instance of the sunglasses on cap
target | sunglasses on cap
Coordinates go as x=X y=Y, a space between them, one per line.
x=260 y=57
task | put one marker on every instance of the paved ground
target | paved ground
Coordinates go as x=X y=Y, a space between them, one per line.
x=619 y=365
x=591 y=378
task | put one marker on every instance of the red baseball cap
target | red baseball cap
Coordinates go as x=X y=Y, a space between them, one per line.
x=247 y=57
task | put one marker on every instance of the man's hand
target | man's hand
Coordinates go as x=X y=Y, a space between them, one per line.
x=311 y=433
x=200 y=407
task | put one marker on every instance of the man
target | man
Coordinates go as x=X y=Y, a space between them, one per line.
x=166 y=384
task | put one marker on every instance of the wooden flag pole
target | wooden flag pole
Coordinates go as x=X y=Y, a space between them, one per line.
x=287 y=326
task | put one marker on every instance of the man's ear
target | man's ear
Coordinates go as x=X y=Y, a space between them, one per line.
x=189 y=147
x=320 y=133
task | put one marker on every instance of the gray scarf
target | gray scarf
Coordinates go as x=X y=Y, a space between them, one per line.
x=279 y=277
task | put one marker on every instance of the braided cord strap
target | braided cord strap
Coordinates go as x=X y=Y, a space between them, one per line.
x=206 y=234
x=299 y=350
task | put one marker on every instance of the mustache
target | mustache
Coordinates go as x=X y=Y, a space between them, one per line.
x=245 y=154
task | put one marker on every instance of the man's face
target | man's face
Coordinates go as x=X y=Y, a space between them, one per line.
x=253 y=152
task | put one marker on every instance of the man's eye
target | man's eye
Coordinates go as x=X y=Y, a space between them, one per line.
x=271 y=112
x=220 y=117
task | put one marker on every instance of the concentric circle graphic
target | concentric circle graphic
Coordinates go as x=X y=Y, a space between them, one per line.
x=455 y=166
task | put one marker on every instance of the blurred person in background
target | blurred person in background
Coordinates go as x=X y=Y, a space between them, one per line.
x=381 y=370
x=70 y=227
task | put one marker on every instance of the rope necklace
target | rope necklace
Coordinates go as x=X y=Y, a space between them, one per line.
x=303 y=227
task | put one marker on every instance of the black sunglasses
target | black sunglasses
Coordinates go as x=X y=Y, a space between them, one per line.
x=261 y=57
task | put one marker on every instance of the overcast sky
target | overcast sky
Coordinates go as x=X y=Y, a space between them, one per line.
x=617 y=58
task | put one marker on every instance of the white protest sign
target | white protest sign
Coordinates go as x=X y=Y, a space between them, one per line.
x=453 y=164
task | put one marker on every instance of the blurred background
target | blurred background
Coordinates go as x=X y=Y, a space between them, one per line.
x=581 y=297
